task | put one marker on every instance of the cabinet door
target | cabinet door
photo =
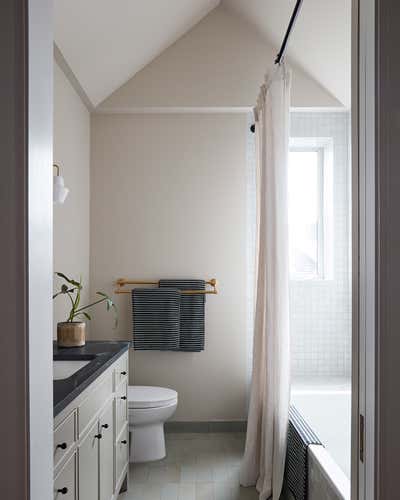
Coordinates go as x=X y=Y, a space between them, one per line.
x=65 y=482
x=121 y=408
x=89 y=465
x=106 y=426
x=121 y=456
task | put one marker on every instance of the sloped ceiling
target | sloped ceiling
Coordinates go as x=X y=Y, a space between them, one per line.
x=106 y=42
x=320 y=42
x=220 y=63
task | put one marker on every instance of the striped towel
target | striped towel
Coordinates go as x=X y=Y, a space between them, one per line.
x=156 y=317
x=192 y=314
x=300 y=436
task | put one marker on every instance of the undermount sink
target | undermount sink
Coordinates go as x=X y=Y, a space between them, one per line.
x=64 y=369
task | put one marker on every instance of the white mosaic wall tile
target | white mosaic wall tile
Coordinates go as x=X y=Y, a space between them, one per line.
x=320 y=309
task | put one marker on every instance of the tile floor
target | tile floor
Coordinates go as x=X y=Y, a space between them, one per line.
x=203 y=466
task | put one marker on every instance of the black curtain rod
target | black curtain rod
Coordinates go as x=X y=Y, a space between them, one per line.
x=281 y=54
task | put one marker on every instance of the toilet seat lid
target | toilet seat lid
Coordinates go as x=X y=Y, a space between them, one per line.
x=143 y=396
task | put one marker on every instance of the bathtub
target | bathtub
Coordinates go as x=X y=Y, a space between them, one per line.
x=326 y=406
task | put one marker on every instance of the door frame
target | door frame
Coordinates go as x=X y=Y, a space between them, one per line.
x=364 y=238
x=40 y=245
x=26 y=102
x=14 y=416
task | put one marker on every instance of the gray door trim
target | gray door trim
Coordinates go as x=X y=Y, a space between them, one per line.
x=355 y=374
x=365 y=301
x=14 y=415
x=388 y=248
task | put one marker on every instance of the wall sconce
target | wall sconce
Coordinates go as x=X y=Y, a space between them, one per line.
x=60 y=192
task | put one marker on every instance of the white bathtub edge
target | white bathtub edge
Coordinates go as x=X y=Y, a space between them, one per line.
x=331 y=471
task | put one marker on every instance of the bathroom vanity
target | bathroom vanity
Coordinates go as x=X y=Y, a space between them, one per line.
x=91 y=441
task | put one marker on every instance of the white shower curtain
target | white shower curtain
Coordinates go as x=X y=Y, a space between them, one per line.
x=264 y=459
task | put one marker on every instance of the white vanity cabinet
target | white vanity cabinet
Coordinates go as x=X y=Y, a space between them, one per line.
x=91 y=443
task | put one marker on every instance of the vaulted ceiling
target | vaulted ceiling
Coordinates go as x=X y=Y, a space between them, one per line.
x=106 y=43
x=320 y=42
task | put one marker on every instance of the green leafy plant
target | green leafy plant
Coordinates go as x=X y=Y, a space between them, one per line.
x=72 y=289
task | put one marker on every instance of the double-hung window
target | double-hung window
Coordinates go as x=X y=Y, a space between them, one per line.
x=310 y=206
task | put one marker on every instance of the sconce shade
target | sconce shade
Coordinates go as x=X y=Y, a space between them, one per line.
x=60 y=192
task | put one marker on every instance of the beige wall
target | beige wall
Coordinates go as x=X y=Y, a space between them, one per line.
x=168 y=200
x=221 y=62
x=71 y=220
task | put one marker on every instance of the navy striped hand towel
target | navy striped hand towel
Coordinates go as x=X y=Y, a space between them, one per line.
x=192 y=313
x=156 y=319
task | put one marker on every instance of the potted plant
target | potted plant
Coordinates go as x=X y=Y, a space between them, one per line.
x=72 y=333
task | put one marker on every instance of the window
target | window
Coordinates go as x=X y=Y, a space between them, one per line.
x=309 y=208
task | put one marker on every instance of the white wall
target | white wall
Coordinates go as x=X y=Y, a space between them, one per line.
x=169 y=200
x=39 y=436
x=220 y=62
x=71 y=220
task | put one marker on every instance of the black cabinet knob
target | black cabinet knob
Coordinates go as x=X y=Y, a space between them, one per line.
x=123 y=397
x=63 y=491
x=63 y=446
x=123 y=373
x=105 y=426
x=98 y=436
x=124 y=441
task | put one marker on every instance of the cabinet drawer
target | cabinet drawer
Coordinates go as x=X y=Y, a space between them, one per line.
x=64 y=438
x=121 y=371
x=121 y=455
x=121 y=407
x=65 y=482
x=94 y=402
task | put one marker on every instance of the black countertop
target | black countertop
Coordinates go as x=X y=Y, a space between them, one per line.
x=101 y=355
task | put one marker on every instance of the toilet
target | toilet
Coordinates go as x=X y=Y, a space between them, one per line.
x=149 y=407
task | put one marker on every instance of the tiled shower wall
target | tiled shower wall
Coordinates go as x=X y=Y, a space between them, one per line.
x=321 y=309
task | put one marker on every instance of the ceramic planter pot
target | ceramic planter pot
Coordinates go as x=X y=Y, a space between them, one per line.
x=71 y=333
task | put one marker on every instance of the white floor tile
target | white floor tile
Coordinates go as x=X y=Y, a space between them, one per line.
x=188 y=473
x=204 y=473
x=139 y=473
x=201 y=466
x=205 y=491
x=166 y=473
x=187 y=491
x=169 y=491
x=224 y=490
x=142 y=491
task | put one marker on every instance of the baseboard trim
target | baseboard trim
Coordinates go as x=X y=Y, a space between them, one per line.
x=224 y=426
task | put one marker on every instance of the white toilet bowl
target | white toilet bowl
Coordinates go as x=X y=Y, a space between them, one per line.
x=149 y=407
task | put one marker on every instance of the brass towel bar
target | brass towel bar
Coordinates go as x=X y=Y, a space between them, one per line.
x=122 y=282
